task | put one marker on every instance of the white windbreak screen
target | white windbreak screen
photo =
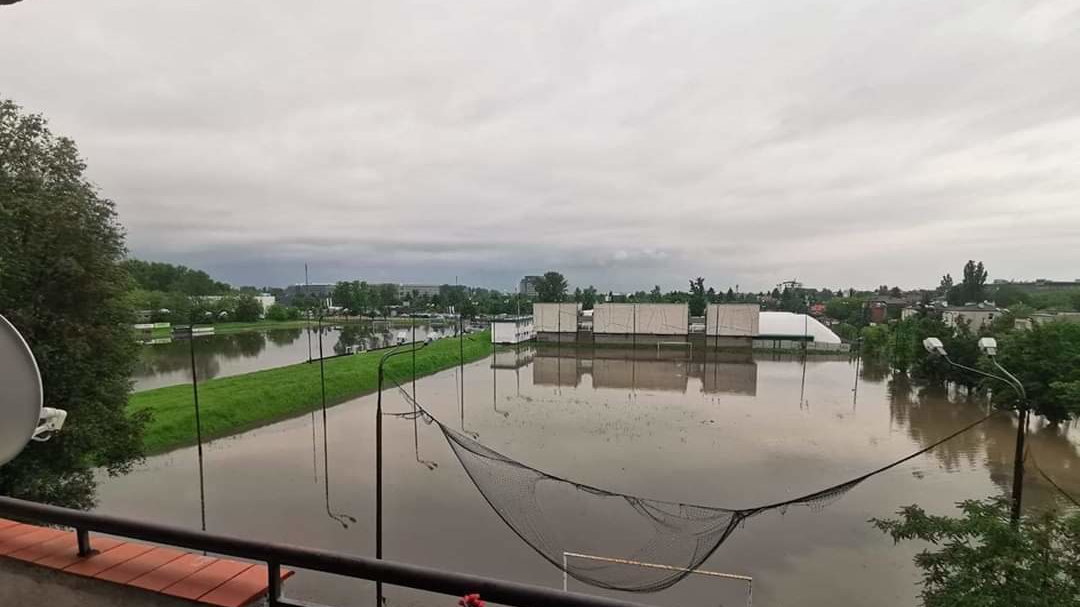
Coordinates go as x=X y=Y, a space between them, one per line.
x=614 y=318
x=732 y=320
x=663 y=319
x=555 y=317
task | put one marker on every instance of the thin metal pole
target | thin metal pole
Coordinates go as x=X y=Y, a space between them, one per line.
x=1018 y=466
x=198 y=424
x=414 y=357
x=307 y=289
x=461 y=367
x=378 y=485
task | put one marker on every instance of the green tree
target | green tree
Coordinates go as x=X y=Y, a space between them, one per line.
x=972 y=288
x=158 y=276
x=277 y=312
x=247 y=309
x=980 y=560
x=64 y=286
x=1007 y=296
x=551 y=287
x=844 y=309
x=1046 y=359
x=697 y=296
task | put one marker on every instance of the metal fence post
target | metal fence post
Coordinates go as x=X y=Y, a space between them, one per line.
x=82 y=536
x=273 y=593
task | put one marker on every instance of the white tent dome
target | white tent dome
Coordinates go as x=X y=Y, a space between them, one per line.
x=789 y=324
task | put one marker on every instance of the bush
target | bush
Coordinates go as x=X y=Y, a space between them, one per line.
x=981 y=560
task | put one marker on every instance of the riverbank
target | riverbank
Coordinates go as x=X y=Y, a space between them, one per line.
x=229 y=405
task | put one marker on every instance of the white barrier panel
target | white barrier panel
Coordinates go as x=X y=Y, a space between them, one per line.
x=614 y=318
x=732 y=320
x=556 y=317
x=662 y=319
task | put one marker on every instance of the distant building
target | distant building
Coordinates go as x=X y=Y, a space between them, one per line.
x=322 y=291
x=527 y=286
x=407 y=290
x=265 y=301
x=1040 y=285
x=1044 y=317
x=512 y=330
x=977 y=317
x=909 y=312
x=881 y=308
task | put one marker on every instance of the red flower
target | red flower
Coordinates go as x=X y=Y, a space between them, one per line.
x=470 y=600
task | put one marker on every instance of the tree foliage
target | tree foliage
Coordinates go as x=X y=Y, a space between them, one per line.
x=980 y=560
x=972 y=289
x=63 y=284
x=1046 y=359
x=551 y=287
x=247 y=309
x=169 y=278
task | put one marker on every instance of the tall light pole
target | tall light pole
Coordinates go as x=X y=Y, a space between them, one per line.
x=988 y=346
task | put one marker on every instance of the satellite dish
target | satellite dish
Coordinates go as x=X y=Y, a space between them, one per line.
x=22 y=416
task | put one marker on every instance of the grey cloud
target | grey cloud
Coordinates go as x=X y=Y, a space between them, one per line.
x=626 y=143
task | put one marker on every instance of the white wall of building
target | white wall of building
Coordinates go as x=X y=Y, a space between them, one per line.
x=512 y=331
x=788 y=324
x=732 y=320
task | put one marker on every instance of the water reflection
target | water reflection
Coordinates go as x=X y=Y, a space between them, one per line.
x=167 y=363
x=926 y=412
x=643 y=369
x=724 y=431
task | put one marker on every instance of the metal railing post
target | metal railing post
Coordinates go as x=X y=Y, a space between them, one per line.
x=273 y=593
x=82 y=536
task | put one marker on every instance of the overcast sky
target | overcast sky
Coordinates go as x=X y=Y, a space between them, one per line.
x=624 y=143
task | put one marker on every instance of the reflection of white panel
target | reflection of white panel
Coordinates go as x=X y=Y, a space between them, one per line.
x=732 y=320
x=555 y=317
x=662 y=319
x=614 y=318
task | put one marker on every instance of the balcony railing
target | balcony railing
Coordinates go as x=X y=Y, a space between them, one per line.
x=277 y=555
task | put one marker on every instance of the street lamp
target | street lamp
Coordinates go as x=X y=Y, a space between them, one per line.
x=988 y=346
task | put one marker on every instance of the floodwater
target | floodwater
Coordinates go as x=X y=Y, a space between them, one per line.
x=169 y=363
x=732 y=431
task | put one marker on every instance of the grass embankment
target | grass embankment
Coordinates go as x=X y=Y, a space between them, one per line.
x=232 y=404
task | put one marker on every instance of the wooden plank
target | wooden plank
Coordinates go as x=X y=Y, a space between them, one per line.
x=60 y=559
x=206 y=579
x=26 y=540
x=97 y=563
x=140 y=565
x=242 y=589
x=172 y=572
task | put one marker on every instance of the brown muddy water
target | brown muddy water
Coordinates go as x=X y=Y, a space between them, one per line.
x=731 y=431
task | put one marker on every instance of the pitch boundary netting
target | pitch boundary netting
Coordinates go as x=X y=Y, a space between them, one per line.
x=555 y=515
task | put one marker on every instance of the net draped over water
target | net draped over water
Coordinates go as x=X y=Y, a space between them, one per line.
x=556 y=516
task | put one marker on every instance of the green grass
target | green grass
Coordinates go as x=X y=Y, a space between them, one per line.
x=233 y=404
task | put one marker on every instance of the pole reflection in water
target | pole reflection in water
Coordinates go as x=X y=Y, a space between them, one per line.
x=343 y=519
